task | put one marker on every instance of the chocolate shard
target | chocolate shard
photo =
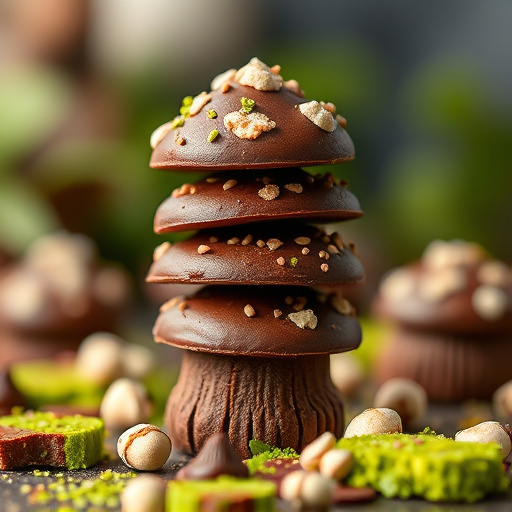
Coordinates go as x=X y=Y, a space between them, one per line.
x=217 y=457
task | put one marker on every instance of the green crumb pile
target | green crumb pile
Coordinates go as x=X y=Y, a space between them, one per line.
x=104 y=491
x=219 y=494
x=425 y=465
x=84 y=435
x=263 y=452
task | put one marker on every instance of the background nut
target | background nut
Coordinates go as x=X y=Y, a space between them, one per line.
x=313 y=452
x=375 y=421
x=336 y=464
x=307 y=488
x=487 y=432
x=145 y=493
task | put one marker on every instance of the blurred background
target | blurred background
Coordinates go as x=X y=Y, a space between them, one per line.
x=425 y=88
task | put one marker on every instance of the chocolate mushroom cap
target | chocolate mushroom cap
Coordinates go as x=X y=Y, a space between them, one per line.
x=294 y=142
x=257 y=321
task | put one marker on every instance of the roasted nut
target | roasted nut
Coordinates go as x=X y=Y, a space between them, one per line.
x=502 y=401
x=144 y=447
x=307 y=488
x=124 y=404
x=487 y=432
x=405 y=396
x=346 y=374
x=375 y=421
x=336 y=464
x=145 y=493
x=313 y=452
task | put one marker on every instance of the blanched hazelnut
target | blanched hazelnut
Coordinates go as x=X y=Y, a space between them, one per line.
x=374 y=421
x=313 y=452
x=336 y=464
x=145 y=493
x=405 y=396
x=307 y=488
x=487 y=432
x=124 y=404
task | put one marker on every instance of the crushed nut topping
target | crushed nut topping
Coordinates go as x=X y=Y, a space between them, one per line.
x=229 y=184
x=159 y=134
x=324 y=267
x=294 y=187
x=171 y=303
x=261 y=243
x=161 y=250
x=293 y=86
x=179 y=140
x=305 y=251
x=330 y=107
x=302 y=240
x=326 y=239
x=213 y=239
x=324 y=255
x=281 y=261
x=303 y=319
x=225 y=88
x=300 y=302
x=247 y=240
x=185 y=189
x=199 y=102
x=288 y=300
x=293 y=261
x=266 y=180
x=212 y=135
x=258 y=75
x=269 y=192
x=337 y=240
x=274 y=243
x=277 y=313
x=318 y=115
x=211 y=114
x=233 y=241
x=276 y=69
x=342 y=305
x=249 y=311
x=341 y=121
x=332 y=249
x=223 y=78
x=248 y=126
x=203 y=249
x=212 y=179
x=183 y=306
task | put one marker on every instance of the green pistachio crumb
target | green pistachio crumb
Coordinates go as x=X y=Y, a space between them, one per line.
x=293 y=261
x=178 y=121
x=185 y=106
x=247 y=105
x=211 y=114
x=213 y=135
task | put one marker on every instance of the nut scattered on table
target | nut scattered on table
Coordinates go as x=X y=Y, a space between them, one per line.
x=375 y=421
x=145 y=493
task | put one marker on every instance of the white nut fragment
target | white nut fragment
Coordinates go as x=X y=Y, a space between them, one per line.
x=144 y=447
x=318 y=115
x=502 y=401
x=487 y=432
x=258 y=75
x=374 y=421
x=248 y=126
x=159 y=134
x=124 y=404
x=336 y=464
x=490 y=303
x=307 y=488
x=304 y=319
x=347 y=374
x=199 y=102
x=405 y=396
x=223 y=78
x=145 y=493
x=313 y=452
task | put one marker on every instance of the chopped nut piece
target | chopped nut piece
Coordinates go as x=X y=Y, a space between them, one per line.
x=288 y=300
x=281 y=261
x=212 y=135
x=337 y=240
x=266 y=180
x=305 y=251
x=300 y=302
x=183 y=306
x=247 y=105
x=233 y=241
x=294 y=187
x=330 y=107
x=161 y=250
x=293 y=86
x=274 y=243
x=258 y=75
x=318 y=115
x=324 y=267
x=248 y=126
x=199 y=102
x=212 y=179
x=171 y=303
x=213 y=239
x=180 y=141
x=326 y=239
x=247 y=240
x=249 y=311
x=225 y=87
x=341 y=121
x=303 y=319
x=293 y=261
x=303 y=240
x=276 y=69
x=185 y=189
x=324 y=255
x=211 y=114
x=269 y=192
x=159 y=134
x=229 y=184
x=342 y=305
x=277 y=313
x=261 y=243
x=223 y=78
x=203 y=249
x=332 y=249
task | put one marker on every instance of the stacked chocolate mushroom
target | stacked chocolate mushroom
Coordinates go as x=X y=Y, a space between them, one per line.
x=256 y=339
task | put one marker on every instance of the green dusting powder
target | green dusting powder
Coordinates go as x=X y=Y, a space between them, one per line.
x=263 y=452
x=84 y=436
x=219 y=494
x=432 y=467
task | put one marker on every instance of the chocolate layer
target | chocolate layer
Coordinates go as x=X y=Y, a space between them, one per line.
x=294 y=142
x=232 y=198
x=242 y=320
x=277 y=254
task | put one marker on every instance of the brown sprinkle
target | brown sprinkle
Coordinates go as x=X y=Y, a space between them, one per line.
x=302 y=240
x=324 y=267
x=249 y=311
x=324 y=255
x=277 y=313
x=185 y=189
x=332 y=249
x=182 y=306
x=225 y=87
x=289 y=300
x=341 y=121
x=180 y=140
x=326 y=239
x=229 y=184
x=336 y=239
x=161 y=250
x=247 y=240
x=294 y=187
x=281 y=261
x=269 y=192
x=171 y=303
x=233 y=241
x=305 y=250
x=261 y=243
x=203 y=249
x=274 y=243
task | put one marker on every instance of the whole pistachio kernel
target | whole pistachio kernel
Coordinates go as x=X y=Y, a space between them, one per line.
x=213 y=135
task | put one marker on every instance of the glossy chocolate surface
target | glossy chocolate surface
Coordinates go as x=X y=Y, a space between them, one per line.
x=215 y=320
x=246 y=255
x=209 y=203
x=294 y=142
